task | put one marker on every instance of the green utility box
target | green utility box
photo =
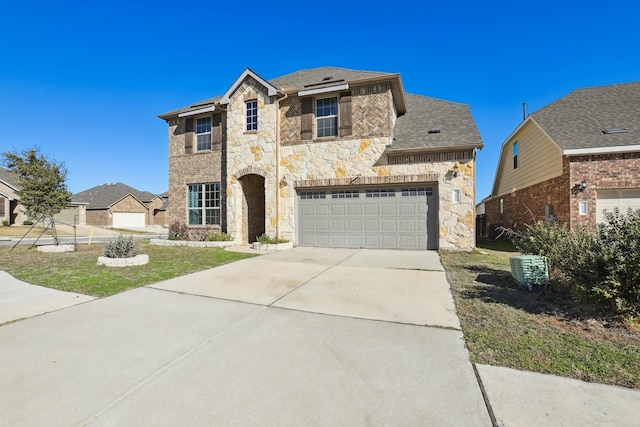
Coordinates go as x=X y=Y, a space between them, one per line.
x=530 y=271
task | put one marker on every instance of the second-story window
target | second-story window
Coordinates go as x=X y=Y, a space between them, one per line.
x=252 y=115
x=515 y=155
x=327 y=117
x=203 y=133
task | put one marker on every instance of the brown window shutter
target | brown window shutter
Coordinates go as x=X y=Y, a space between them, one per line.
x=306 y=125
x=188 y=136
x=216 y=130
x=344 y=114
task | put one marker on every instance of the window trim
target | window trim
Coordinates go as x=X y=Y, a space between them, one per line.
x=251 y=106
x=334 y=117
x=208 y=208
x=210 y=133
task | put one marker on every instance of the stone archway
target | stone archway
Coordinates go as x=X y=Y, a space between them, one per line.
x=253 y=209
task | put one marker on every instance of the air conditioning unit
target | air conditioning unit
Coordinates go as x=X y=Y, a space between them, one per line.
x=530 y=271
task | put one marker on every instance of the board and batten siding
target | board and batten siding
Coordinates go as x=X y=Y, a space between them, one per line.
x=539 y=159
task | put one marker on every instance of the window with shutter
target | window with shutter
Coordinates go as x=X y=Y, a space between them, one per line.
x=327 y=117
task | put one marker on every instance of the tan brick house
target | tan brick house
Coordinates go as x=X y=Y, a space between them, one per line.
x=119 y=205
x=571 y=160
x=10 y=210
x=326 y=157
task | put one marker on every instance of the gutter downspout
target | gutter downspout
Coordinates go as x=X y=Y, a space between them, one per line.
x=278 y=164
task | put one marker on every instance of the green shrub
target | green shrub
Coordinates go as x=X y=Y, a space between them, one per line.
x=598 y=270
x=121 y=247
x=27 y=222
x=5 y=222
x=220 y=237
x=265 y=239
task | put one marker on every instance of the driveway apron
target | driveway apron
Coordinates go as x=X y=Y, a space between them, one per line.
x=302 y=337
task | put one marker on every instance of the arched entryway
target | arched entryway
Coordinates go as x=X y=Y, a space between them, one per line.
x=252 y=207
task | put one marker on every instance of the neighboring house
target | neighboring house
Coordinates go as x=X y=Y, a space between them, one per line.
x=120 y=206
x=10 y=210
x=571 y=160
x=326 y=157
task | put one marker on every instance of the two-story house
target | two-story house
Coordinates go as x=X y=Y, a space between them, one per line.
x=571 y=161
x=326 y=157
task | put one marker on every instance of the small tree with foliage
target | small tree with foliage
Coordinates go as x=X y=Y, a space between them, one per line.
x=43 y=190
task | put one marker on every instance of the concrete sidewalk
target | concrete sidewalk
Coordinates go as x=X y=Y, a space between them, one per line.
x=300 y=337
x=19 y=300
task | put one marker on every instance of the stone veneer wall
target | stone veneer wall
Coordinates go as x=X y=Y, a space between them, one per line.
x=250 y=150
x=365 y=158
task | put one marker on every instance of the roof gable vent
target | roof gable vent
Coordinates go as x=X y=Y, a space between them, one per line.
x=434 y=130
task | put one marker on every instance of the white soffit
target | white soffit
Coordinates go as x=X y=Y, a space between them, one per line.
x=315 y=91
x=198 y=111
x=601 y=150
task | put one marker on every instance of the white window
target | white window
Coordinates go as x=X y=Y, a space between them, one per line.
x=455 y=196
x=583 y=208
x=252 y=115
x=327 y=117
x=204 y=204
x=203 y=133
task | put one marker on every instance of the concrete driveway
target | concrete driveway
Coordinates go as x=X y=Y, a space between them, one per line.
x=302 y=337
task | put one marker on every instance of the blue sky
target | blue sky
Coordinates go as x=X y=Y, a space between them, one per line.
x=85 y=81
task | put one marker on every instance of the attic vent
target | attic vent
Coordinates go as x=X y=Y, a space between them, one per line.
x=615 y=130
x=324 y=81
x=434 y=130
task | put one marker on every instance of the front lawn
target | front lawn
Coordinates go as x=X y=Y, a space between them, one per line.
x=78 y=271
x=505 y=326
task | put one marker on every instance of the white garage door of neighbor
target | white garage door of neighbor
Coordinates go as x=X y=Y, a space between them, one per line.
x=621 y=199
x=128 y=219
x=391 y=217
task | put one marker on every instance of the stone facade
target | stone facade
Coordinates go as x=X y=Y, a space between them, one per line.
x=600 y=171
x=280 y=158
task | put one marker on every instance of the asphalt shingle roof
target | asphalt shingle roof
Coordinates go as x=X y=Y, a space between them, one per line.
x=105 y=195
x=457 y=127
x=313 y=76
x=8 y=177
x=577 y=120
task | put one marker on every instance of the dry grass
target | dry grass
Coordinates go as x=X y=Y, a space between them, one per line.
x=506 y=326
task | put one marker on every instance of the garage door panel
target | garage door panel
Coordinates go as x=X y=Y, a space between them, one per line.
x=354 y=210
x=391 y=218
x=338 y=210
x=371 y=225
x=128 y=219
x=388 y=225
x=608 y=200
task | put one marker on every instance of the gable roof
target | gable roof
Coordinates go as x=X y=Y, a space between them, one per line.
x=106 y=195
x=307 y=80
x=9 y=178
x=581 y=119
x=453 y=122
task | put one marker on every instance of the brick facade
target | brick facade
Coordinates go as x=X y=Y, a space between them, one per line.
x=600 y=171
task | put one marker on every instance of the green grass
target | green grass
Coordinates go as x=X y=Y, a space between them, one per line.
x=78 y=271
x=505 y=326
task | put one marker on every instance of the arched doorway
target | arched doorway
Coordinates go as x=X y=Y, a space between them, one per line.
x=253 y=211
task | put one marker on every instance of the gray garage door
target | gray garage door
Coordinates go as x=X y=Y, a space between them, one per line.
x=390 y=217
